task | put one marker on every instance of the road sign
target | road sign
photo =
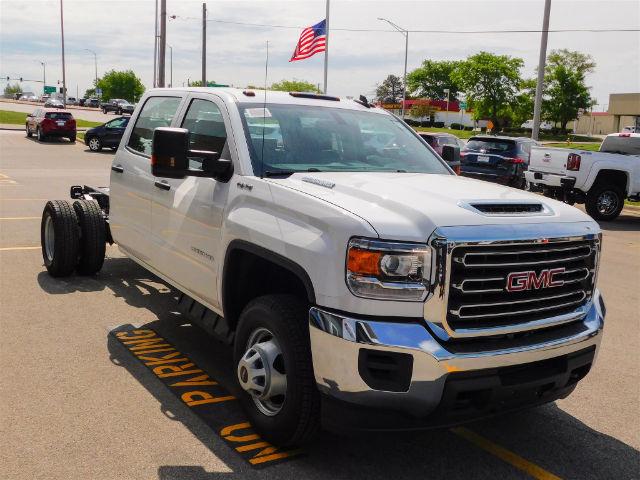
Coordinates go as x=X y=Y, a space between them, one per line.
x=98 y=91
x=463 y=105
x=48 y=89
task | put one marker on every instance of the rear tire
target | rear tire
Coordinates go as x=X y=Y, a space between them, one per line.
x=604 y=202
x=59 y=238
x=41 y=136
x=72 y=139
x=93 y=236
x=294 y=419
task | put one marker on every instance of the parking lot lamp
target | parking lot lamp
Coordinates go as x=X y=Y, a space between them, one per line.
x=406 y=52
x=170 y=65
x=44 y=76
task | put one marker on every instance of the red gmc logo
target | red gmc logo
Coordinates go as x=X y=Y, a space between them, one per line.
x=519 y=281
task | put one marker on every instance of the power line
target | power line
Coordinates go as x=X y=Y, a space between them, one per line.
x=378 y=30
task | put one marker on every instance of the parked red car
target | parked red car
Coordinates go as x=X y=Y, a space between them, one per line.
x=51 y=122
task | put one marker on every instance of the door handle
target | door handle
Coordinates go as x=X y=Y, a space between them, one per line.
x=163 y=185
x=117 y=168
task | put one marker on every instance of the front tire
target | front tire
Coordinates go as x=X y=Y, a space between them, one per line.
x=59 y=238
x=95 y=145
x=93 y=236
x=274 y=368
x=29 y=134
x=604 y=202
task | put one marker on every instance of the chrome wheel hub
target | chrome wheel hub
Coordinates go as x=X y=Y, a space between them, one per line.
x=49 y=238
x=607 y=203
x=261 y=372
x=93 y=144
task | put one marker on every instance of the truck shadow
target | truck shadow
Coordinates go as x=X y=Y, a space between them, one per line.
x=546 y=436
x=624 y=223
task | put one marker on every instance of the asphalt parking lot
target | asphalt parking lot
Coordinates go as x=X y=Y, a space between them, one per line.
x=78 y=403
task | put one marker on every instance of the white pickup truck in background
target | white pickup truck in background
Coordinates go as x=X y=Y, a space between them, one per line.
x=601 y=180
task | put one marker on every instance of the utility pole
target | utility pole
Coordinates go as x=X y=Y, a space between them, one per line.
x=64 y=78
x=446 y=119
x=204 y=44
x=155 y=49
x=542 y=61
x=163 y=42
x=326 y=47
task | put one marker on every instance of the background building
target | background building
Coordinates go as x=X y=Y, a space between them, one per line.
x=623 y=111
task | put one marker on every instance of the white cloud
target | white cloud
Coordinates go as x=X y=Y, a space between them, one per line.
x=122 y=34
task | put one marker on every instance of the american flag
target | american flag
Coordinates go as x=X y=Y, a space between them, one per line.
x=312 y=40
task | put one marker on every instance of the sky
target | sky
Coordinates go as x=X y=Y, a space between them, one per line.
x=122 y=35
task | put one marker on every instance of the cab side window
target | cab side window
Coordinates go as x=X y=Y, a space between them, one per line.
x=118 y=123
x=206 y=130
x=156 y=112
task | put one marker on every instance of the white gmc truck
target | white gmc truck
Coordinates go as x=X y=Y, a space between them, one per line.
x=601 y=180
x=362 y=284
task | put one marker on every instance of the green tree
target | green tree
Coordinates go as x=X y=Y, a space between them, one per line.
x=491 y=83
x=390 y=90
x=294 y=85
x=198 y=83
x=432 y=78
x=565 y=87
x=120 y=84
x=422 y=110
x=11 y=90
x=522 y=107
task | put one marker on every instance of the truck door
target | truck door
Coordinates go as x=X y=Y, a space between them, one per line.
x=132 y=182
x=187 y=214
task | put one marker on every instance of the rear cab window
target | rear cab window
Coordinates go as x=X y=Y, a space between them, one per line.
x=156 y=112
x=625 y=145
x=206 y=130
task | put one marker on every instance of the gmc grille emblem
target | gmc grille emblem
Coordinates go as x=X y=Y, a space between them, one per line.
x=520 y=281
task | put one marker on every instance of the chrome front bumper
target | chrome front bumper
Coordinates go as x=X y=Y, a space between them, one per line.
x=336 y=341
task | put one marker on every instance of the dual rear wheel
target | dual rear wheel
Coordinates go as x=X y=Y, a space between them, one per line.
x=73 y=237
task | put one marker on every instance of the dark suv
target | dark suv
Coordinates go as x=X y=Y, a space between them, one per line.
x=497 y=159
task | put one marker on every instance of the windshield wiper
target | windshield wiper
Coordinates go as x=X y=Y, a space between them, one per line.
x=278 y=173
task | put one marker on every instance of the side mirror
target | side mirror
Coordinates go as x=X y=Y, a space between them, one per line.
x=450 y=153
x=170 y=157
x=169 y=152
x=30 y=115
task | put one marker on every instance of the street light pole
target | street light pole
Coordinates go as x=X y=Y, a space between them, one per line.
x=170 y=65
x=64 y=78
x=44 y=76
x=446 y=119
x=406 y=54
x=95 y=61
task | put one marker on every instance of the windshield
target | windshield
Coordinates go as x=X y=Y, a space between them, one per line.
x=621 y=144
x=302 y=138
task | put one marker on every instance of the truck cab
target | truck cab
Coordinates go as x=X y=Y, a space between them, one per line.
x=360 y=282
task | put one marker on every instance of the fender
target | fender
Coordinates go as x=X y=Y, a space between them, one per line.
x=273 y=257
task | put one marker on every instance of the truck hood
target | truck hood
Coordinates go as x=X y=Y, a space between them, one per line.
x=409 y=206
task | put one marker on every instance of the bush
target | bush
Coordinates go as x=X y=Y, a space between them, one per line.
x=468 y=129
x=456 y=126
x=438 y=124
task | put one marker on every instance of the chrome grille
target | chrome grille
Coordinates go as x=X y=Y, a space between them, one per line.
x=478 y=297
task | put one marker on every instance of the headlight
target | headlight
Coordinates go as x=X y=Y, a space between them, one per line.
x=388 y=270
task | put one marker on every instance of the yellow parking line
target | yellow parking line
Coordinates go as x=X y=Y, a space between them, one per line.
x=7 y=249
x=20 y=218
x=506 y=455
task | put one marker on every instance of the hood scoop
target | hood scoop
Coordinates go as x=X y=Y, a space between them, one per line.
x=502 y=208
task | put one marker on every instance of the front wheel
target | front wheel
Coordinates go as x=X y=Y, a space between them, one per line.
x=604 y=202
x=274 y=368
x=29 y=134
x=95 y=145
x=104 y=110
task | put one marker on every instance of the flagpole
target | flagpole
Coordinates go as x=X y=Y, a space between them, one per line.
x=326 y=48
